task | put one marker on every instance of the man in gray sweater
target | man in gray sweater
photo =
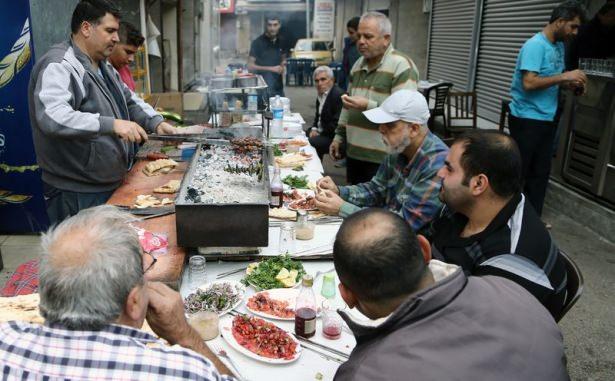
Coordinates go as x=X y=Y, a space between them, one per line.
x=86 y=123
x=427 y=320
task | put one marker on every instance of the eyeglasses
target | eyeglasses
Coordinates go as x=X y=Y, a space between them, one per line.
x=154 y=260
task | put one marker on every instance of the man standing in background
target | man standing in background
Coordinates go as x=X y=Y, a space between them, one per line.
x=268 y=56
x=124 y=52
x=534 y=92
x=351 y=53
x=380 y=71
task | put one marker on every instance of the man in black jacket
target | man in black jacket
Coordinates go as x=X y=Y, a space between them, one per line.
x=488 y=226
x=328 y=109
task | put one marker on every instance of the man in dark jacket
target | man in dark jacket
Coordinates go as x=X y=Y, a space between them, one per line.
x=488 y=227
x=351 y=53
x=85 y=120
x=431 y=322
x=328 y=109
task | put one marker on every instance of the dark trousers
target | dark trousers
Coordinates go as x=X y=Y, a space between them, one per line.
x=321 y=143
x=535 y=141
x=359 y=171
x=62 y=204
x=274 y=83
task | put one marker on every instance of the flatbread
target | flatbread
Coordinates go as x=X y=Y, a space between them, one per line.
x=147 y=201
x=22 y=307
x=170 y=187
x=160 y=166
x=282 y=214
x=25 y=308
x=291 y=160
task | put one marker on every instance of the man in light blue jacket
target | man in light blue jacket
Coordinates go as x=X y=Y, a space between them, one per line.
x=85 y=121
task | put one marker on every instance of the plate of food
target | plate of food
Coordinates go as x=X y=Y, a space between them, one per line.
x=292 y=160
x=274 y=272
x=260 y=340
x=220 y=297
x=307 y=203
x=298 y=194
x=277 y=303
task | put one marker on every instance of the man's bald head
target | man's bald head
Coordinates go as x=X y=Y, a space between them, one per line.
x=90 y=263
x=377 y=256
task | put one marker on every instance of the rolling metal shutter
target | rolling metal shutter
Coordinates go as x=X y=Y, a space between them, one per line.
x=450 y=41
x=506 y=25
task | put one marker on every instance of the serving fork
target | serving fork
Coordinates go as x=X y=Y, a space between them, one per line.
x=217 y=349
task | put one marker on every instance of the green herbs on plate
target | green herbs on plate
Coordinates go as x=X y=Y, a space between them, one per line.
x=300 y=182
x=276 y=150
x=274 y=273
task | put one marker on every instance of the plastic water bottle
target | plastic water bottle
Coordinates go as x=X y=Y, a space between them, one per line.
x=277 y=124
x=252 y=101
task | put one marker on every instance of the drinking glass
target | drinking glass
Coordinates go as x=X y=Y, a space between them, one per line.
x=196 y=272
x=331 y=321
x=286 y=244
x=328 y=286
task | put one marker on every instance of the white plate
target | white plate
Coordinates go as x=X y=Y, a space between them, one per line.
x=283 y=294
x=297 y=284
x=241 y=289
x=226 y=330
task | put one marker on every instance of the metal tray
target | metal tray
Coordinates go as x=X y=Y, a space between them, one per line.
x=227 y=225
x=228 y=84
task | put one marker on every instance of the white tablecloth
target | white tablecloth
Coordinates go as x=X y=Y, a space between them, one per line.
x=310 y=363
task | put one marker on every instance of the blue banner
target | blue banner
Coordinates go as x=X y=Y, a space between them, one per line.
x=22 y=207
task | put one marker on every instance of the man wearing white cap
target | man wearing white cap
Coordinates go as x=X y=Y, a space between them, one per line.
x=406 y=182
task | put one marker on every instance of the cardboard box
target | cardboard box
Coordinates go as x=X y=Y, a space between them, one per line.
x=172 y=101
x=178 y=102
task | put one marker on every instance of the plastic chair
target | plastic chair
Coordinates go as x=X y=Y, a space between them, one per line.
x=574 y=286
x=292 y=72
x=308 y=70
x=504 y=111
x=461 y=108
x=441 y=90
x=338 y=73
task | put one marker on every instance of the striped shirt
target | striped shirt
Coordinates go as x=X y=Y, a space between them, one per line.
x=408 y=188
x=40 y=352
x=395 y=71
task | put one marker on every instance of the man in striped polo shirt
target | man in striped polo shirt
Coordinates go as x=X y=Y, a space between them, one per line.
x=380 y=71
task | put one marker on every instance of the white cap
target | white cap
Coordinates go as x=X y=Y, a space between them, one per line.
x=407 y=105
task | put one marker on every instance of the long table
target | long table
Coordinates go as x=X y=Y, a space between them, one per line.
x=170 y=269
x=170 y=265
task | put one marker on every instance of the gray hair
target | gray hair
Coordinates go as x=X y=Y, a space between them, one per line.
x=90 y=289
x=384 y=23
x=324 y=69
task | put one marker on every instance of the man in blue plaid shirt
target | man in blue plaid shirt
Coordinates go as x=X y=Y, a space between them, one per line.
x=406 y=182
x=94 y=298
